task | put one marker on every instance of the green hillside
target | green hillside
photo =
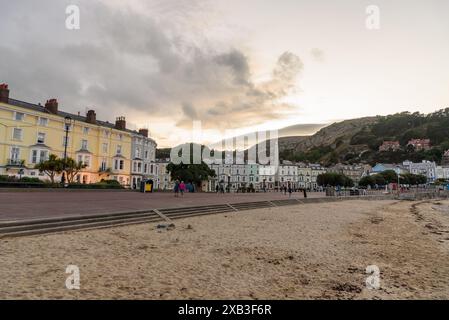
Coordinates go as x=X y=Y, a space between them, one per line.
x=361 y=144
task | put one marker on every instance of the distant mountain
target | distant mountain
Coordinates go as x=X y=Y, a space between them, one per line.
x=358 y=140
x=338 y=131
x=300 y=130
x=295 y=130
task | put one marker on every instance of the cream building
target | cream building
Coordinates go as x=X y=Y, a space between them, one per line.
x=163 y=180
x=29 y=133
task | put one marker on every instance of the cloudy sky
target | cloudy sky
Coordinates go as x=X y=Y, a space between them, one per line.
x=231 y=64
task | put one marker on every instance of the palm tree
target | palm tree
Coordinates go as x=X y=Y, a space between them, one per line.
x=51 y=167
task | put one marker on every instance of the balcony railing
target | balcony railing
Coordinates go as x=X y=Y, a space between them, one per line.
x=15 y=162
x=104 y=170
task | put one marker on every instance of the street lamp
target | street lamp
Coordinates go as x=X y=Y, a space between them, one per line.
x=67 y=123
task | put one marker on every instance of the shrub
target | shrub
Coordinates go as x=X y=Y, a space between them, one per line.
x=28 y=179
x=98 y=185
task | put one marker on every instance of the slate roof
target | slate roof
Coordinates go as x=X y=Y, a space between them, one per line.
x=76 y=117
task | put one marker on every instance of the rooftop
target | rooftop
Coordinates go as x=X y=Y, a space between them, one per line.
x=63 y=114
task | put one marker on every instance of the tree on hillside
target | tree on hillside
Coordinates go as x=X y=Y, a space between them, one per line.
x=51 y=167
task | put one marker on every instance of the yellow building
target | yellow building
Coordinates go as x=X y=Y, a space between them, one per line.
x=29 y=133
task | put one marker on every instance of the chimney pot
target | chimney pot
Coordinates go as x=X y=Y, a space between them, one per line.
x=120 y=123
x=52 y=106
x=4 y=93
x=143 y=132
x=91 y=117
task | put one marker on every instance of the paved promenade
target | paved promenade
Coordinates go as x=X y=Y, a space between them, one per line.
x=38 y=204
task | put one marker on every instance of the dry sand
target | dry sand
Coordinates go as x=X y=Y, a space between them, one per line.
x=313 y=251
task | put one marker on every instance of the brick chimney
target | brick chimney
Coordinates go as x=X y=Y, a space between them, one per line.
x=52 y=106
x=91 y=117
x=4 y=93
x=143 y=132
x=120 y=123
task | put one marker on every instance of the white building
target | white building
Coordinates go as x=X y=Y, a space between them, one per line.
x=288 y=174
x=442 y=172
x=425 y=168
x=143 y=155
x=234 y=176
x=267 y=176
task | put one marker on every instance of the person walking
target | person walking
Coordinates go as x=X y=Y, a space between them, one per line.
x=182 y=188
x=290 y=191
x=176 y=188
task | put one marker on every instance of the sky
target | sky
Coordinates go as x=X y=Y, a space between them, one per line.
x=236 y=66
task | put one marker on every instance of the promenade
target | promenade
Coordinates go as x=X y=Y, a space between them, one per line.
x=15 y=205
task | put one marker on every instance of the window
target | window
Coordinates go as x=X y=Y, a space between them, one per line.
x=85 y=130
x=38 y=155
x=105 y=148
x=67 y=127
x=103 y=164
x=137 y=152
x=40 y=137
x=84 y=144
x=15 y=153
x=106 y=133
x=120 y=136
x=84 y=159
x=119 y=149
x=65 y=142
x=87 y=161
x=118 y=164
x=43 y=122
x=146 y=154
x=17 y=134
x=19 y=116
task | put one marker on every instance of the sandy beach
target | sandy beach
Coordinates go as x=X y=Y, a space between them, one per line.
x=312 y=251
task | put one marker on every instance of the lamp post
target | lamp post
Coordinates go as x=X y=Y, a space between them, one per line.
x=67 y=123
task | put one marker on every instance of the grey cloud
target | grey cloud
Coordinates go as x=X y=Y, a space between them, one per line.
x=238 y=63
x=123 y=61
x=189 y=111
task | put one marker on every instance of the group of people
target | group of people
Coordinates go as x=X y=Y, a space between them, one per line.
x=180 y=187
x=289 y=189
x=219 y=189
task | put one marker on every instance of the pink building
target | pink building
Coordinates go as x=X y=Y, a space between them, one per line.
x=419 y=144
x=390 y=146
